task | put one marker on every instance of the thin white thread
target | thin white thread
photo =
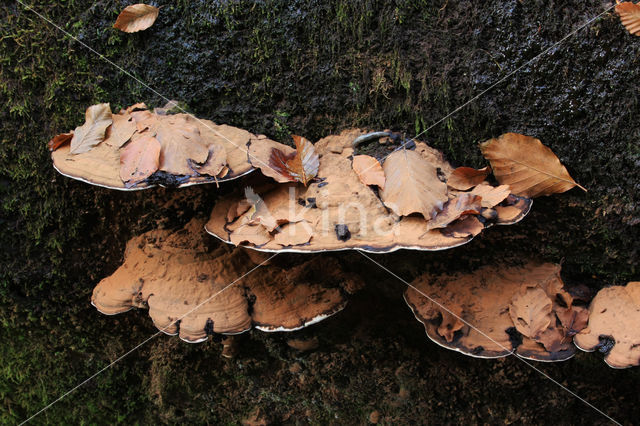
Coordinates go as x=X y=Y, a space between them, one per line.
x=489 y=338
x=141 y=344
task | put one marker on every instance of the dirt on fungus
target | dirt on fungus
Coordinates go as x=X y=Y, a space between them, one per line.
x=311 y=68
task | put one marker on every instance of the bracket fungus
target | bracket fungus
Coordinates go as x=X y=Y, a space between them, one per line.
x=506 y=310
x=185 y=284
x=338 y=210
x=614 y=326
x=137 y=148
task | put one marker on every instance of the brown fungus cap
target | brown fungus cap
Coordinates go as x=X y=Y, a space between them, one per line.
x=180 y=276
x=511 y=310
x=614 y=326
x=191 y=151
x=337 y=211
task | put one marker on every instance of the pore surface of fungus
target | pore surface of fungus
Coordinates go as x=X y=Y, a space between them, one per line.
x=172 y=150
x=338 y=211
x=614 y=326
x=505 y=310
x=194 y=288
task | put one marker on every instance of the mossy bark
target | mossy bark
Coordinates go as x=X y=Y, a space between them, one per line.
x=310 y=68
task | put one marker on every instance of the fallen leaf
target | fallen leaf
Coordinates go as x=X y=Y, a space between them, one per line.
x=553 y=339
x=468 y=226
x=182 y=143
x=120 y=131
x=412 y=185
x=254 y=234
x=629 y=16
x=59 y=140
x=292 y=234
x=450 y=322
x=526 y=165
x=531 y=311
x=464 y=178
x=491 y=195
x=92 y=132
x=463 y=204
x=302 y=166
x=573 y=319
x=140 y=106
x=136 y=17
x=368 y=170
x=215 y=163
x=139 y=159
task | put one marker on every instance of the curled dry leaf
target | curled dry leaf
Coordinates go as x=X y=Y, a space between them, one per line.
x=491 y=195
x=614 y=326
x=136 y=17
x=59 y=140
x=92 y=132
x=464 y=178
x=120 y=131
x=139 y=159
x=368 y=170
x=412 y=185
x=531 y=311
x=302 y=166
x=463 y=204
x=629 y=13
x=526 y=165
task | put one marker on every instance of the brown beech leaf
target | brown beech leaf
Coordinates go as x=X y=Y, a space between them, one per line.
x=215 y=163
x=574 y=319
x=58 y=140
x=368 y=170
x=179 y=135
x=139 y=159
x=629 y=16
x=531 y=311
x=463 y=204
x=136 y=17
x=412 y=185
x=302 y=166
x=464 y=178
x=491 y=195
x=526 y=165
x=92 y=132
x=120 y=131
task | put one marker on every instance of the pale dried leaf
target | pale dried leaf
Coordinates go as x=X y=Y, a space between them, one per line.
x=121 y=130
x=292 y=234
x=629 y=16
x=368 y=170
x=179 y=135
x=573 y=319
x=463 y=204
x=215 y=163
x=531 y=311
x=92 y=132
x=412 y=185
x=491 y=195
x=139 y=159
x=254 y=234
x=526 y=165
x=464 y=178
x=136 y=17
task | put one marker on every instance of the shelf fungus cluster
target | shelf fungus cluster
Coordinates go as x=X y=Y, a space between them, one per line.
x=414 y=200
x=138 y=148
x=329 y=196
x=195 y=289
x=497 y=311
